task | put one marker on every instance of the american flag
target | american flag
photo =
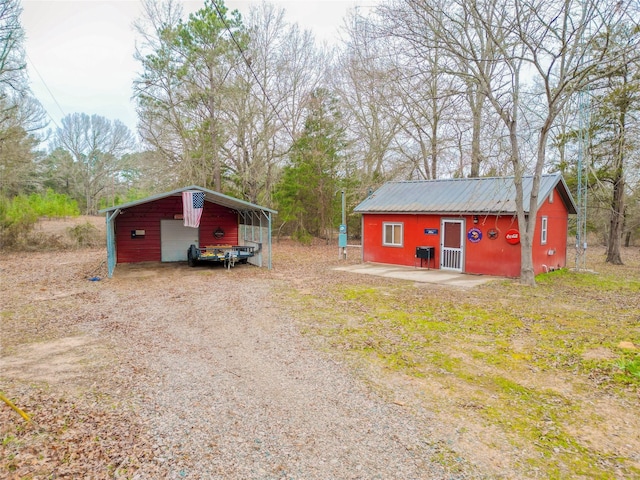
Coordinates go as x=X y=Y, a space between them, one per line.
x=192 y=205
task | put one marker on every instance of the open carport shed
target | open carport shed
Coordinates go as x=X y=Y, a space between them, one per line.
x=152 y=229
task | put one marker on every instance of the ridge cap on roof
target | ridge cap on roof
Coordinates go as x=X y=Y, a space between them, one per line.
x=459 y=179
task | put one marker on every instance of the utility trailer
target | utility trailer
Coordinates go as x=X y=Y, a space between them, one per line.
x=229 y=255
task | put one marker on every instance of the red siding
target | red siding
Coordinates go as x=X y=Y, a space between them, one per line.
x=147 y=217
x=215 y=216
x=487 y=257
x=414 y=236
x=554 y=254
x=493 y=256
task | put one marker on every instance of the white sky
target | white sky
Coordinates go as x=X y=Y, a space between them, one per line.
x=80 y=52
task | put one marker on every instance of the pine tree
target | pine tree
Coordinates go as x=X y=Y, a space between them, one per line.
x=306 y=194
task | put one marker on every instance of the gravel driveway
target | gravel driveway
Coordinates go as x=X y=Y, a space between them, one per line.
x=170 y=372
x=230 y=389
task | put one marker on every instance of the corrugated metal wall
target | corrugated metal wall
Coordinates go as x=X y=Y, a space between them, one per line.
x=147 y=217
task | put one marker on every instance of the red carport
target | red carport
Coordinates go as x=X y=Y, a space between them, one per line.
x=153 y=228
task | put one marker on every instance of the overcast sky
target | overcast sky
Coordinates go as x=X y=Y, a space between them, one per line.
x=80 y=53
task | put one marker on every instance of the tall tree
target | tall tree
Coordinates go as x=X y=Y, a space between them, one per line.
x=445 y=107
x=616 y=116
x=364 y=81
x=12 y=64
x=180 y=94
x=219 y=98
x=17 y=148
x=280 y=67
x=20 y=114
x=208 y=43
x=306 y=194
x=97 y=146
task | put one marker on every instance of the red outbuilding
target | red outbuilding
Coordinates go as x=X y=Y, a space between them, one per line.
x=161 y=229
x=465 y=224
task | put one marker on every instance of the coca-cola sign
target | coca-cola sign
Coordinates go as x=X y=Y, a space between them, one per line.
x=513 y=236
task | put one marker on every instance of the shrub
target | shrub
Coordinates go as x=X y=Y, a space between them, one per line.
x=17 y=219
x=55 y=205
x=302 y=236
x=18 y=215
x=85 y=235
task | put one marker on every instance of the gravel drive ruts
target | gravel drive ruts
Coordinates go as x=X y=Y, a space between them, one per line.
x=230 y=389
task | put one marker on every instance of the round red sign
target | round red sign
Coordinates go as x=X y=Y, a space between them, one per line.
x=513 y=236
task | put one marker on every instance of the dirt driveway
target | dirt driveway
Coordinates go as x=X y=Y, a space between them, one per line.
x=170 y=372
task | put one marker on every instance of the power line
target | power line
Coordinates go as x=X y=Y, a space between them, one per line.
x=48 y=90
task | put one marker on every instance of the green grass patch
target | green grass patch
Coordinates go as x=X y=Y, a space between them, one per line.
x=502 y=345
x=588 y=280
x=626 y=370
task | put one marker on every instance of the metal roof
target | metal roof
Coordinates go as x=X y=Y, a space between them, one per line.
x=461 y=195
x=210 y=196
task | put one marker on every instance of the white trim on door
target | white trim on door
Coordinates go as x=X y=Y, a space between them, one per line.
x=452 y=256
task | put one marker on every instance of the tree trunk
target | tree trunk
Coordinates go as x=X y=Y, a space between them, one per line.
x=616 y=223
x=476 y=101
x=434 y=150
x=527 y=276
x=434 y=126
x=213 y=134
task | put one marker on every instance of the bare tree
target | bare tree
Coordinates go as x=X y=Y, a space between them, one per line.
x=615 y=105
x=364 y=80
x=20 y=113
x=439 y=85
x=280 y=68
x=97 y=146
x=12 y=63
x=429 y=98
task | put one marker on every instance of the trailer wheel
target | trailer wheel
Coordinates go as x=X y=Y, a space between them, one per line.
x=192 y=256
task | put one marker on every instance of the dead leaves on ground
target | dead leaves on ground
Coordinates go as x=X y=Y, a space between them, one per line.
x=76 y=437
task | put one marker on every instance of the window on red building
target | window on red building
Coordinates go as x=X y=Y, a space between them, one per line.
x=543 y=230
x=392 y=234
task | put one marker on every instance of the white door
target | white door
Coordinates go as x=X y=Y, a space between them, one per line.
x=175 y=240
x=452 y=245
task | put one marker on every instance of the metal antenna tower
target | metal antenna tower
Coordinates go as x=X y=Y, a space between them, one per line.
x=584 y=120
x=584 y=126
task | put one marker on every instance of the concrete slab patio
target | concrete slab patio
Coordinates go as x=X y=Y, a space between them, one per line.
x=423 y=275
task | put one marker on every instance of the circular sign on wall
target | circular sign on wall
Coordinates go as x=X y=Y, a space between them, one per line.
x=513 y=236
x=474 y=235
